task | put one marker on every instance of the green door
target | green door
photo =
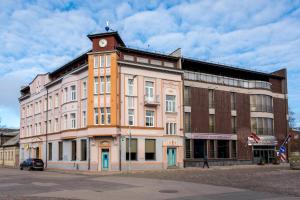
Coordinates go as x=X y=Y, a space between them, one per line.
x=105 y=159
x=171 y=154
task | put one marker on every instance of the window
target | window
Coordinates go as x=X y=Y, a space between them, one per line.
x=108 y=61
x=56 y=125
x=73 y=93
x=212 y=149
x=36 y=108
x=96 y=85
x=170 y=103
x=49 y=126
x=74 y=150
x=149 y=149
x=108 y=115
x=66 y=122
x=149 y=89
x=262 y=126
x=170 y=128
x=102 y=84
x=261 y=103
x=60 y=150
x=50 y=103
x=102 y=116
x=149 y=118
x=233 y=124
x=83 y=118
x=130 y=102
x=56 y=100
x=102 y=61
x=50 y=151
x=233 y=149
x=211 y=99
x=84 y=89
x=187 y=122
x=108 y=84
x=73 y=120
x=211 y=123
x=83 y=150
x=133 y=149
x=96 y=61
x=130 y=87
x=187 y=96
x=130 y=117
x=65 y=95
x=233 y=100
x=223 y=148
x=96 y=115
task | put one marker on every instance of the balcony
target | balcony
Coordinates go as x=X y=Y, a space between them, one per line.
x=151 y=101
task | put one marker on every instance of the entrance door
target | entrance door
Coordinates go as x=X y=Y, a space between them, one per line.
x=105 y=159
x=171 y=153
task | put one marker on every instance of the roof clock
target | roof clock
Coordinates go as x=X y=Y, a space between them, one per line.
x=102 y=43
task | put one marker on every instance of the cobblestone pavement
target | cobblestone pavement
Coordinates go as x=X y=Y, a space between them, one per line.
x=210 y=184
x=274 y=179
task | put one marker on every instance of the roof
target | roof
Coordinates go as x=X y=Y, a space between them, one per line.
x=114 y=33
x=9 y=132
x=12 y=142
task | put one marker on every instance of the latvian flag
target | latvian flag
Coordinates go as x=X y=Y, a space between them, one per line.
x=282 y=157
x=255 y=137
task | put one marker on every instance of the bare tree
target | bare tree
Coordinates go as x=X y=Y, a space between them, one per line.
x=292 y=118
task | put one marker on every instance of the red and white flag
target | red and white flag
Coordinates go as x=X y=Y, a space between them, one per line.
x=255 y=137
x=282 y=157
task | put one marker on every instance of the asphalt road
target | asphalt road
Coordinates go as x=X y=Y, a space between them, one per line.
x=172 y=184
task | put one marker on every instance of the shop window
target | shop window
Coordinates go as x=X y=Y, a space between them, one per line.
x=200 y=148
x=187 y=148
x=212 y=149
x=149 y=149
x=133 y=149
x=50 y=151
x=83 y=150
x=223 y=148
x=60 y=150
x=74 y=150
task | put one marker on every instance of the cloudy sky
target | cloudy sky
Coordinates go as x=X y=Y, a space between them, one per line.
x=37 y=37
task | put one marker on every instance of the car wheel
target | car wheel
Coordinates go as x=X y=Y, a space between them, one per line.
x=21 y=168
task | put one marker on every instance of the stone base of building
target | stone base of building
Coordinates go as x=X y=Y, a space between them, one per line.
x=216 y=162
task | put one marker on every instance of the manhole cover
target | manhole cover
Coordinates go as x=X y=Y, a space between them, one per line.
x=168 y=191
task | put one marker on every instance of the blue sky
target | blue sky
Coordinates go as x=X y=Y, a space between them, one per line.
x=39 y=36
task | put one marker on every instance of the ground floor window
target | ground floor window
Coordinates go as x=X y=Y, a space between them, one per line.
x=83 y=150
x=187 y=148
x=200 y=150
x=150 y=149
x=212 y=153
x=133 y=149
x=264 y=154
x=233 y=149
x=50 y=151
x=223 y=148
x=74 y=150
x=60 y=150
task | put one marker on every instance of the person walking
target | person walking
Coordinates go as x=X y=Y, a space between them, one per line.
x=205 y=162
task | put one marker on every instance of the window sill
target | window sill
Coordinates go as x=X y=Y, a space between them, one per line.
x=171 y=112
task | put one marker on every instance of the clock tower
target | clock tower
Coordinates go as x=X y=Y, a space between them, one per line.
x=108 y=41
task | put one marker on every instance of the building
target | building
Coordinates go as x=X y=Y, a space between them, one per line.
x=81 y=116
x=9 y=150
x=174 y=111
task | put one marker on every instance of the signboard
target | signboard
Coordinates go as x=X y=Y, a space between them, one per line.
x=282 y=149
x=212 y=136
x=264 y=140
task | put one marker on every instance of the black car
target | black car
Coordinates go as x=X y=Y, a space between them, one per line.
x=32 y=163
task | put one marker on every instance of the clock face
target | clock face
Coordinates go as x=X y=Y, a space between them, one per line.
x=102 y=43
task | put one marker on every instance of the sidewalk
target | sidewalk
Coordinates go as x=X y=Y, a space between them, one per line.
x=126 y=172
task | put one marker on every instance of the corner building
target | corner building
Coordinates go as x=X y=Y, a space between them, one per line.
x=84 y=115
x=118 y=108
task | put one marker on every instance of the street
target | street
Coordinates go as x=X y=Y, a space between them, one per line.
x=252 y=182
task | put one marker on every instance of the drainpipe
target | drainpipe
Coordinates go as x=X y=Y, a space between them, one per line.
x=46 y=163
x=89 y=158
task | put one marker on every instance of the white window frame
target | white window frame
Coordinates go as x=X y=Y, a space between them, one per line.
x=108 y=85
x=108 y=116
x=96 y=116
x=149 y=117
x=66 y=122
x=96 y=61
x=84 y=89
x=170 y=103
x=84 y=118
x=56 y=100
x=102 y=84
x=96 y=85
x=50 y=103
x=102 y=116
x=108 y=61
x=130 y=87
x=149 y=90
x=73 y=93
x=171 y=128
x=73 y=120
x=102 y=61
x=66 y=95
x=131 y=117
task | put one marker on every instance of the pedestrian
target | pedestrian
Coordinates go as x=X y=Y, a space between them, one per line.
x=205 y=162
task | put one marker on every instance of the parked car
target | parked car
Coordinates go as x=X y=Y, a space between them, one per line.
x=31 y=164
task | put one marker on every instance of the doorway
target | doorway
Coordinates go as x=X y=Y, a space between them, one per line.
x=263 y=153
x=171 y=154
x=105 y=159
x=37 y=152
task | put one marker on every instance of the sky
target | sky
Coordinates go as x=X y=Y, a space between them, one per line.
x=38 y=36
